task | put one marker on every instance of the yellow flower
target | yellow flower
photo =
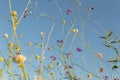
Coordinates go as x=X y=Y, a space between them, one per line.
x=10 y=44
x=37 y=57
x=58 y=64
x=6 y=36
x=50 y=66
x=14 y=14
x=75 y=30
x=17 y=48
x=1 y=59
x=20 y=59
x=22 y=66
x=100 y=55
x=89 y=75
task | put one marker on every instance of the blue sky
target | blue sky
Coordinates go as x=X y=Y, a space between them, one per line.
x=105 y=15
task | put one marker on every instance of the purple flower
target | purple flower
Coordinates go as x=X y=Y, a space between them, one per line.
x=68 y=11
x=60 y=41
x=53 y=58
x=70 y=66
x=91 y=8
x=78 y=49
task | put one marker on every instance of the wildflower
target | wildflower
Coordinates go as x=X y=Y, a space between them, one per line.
x=67 y=66
x=101 y=69
x=10 y=44
x=20 y=59
x=78 y=49
x=14 y=14
x=75 y=30
x=63 y=22
x=22 y=66
x=89 y=75
x=50 y=66
x=58 y=64
x=17 y=48
x=1 y=59
x=60 y=41
x=37 y=57
x=68 y=11
x=6 y=36
x=53 y=58
x=100 y=55
x=91 y=8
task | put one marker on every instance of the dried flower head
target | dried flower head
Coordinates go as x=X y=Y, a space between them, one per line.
x=101 y=69
x=100 y=55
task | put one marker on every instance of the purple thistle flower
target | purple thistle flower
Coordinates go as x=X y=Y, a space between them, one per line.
x=53 y=58
x=70 y=66
x=78 y=49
